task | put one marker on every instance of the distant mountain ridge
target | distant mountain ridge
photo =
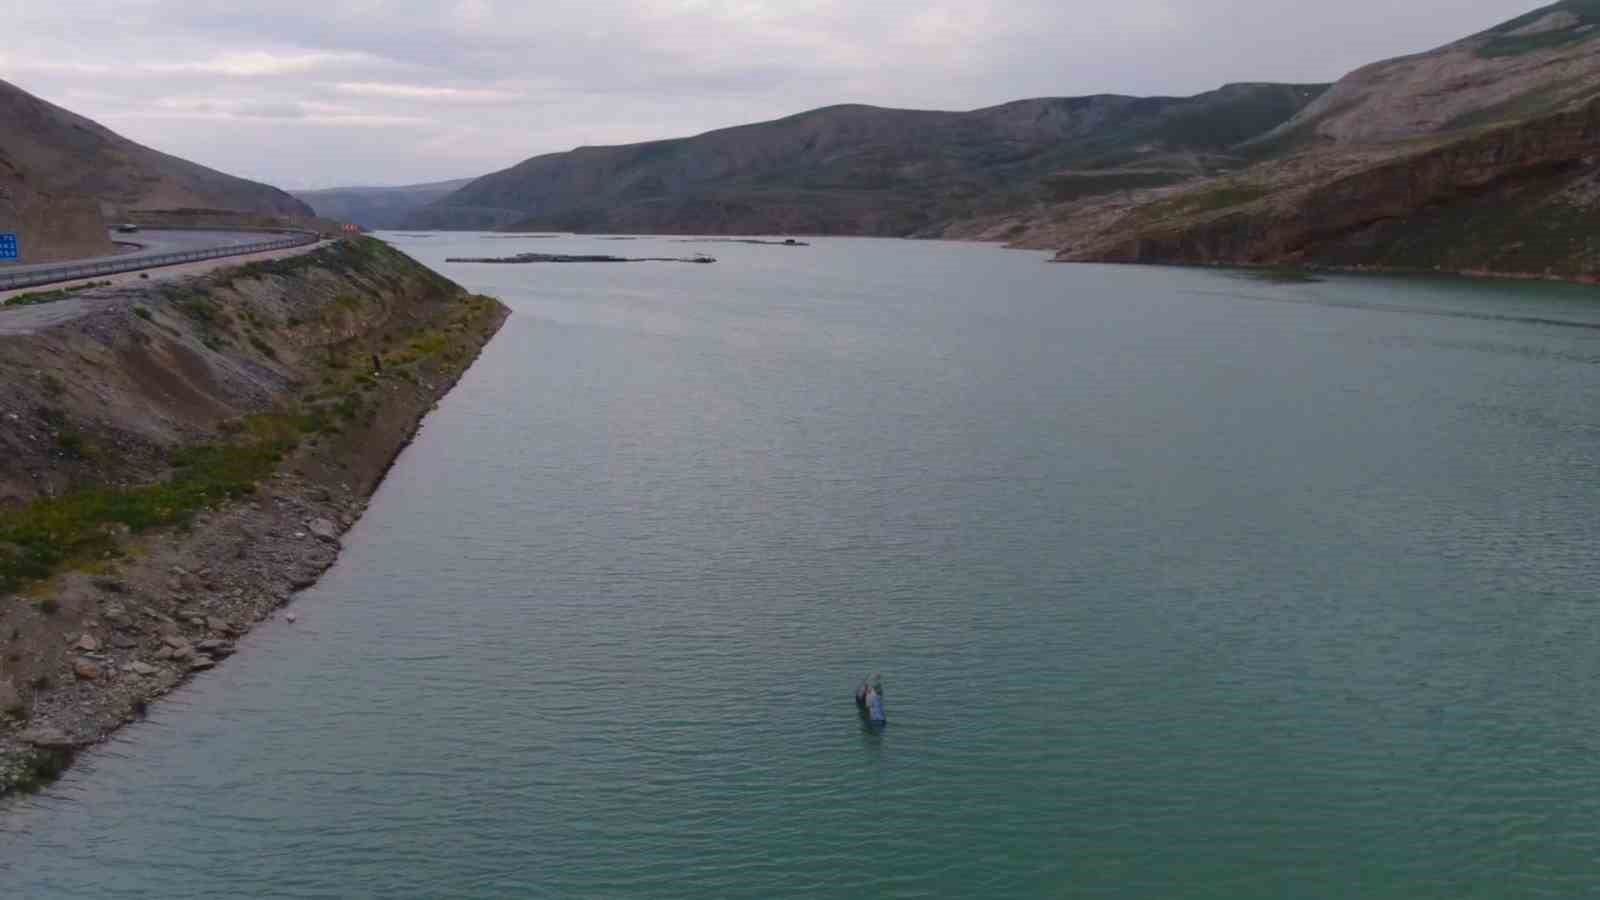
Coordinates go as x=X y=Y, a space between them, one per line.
x=1481 y=155
x=868 y=170
x=377 y=207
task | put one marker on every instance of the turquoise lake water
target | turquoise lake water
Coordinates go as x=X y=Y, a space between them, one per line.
x=1182 y=584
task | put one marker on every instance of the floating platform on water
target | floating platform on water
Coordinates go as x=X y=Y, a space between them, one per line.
x=524 y=258
x=790 y=242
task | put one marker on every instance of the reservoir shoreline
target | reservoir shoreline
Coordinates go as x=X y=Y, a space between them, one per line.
x=1587 y=279
x=378 y=341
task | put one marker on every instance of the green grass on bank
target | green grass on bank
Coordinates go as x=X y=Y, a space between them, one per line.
x=52 y=534
x=37 y=298
x=38 y=539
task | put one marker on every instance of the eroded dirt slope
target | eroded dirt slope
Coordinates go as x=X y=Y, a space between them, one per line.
x=179 y=460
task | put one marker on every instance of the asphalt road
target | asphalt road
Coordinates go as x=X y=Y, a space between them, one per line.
x=125 y=287
x=154 y=243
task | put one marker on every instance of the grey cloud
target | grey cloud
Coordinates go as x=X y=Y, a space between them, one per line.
x=309 y=93
x=271 y=111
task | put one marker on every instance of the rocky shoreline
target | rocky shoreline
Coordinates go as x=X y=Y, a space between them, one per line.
x=179 y=608
x=174 y=613
x=1309 y=271
x=89 y=649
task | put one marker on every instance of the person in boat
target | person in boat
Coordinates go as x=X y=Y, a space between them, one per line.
x=869 y=698
x=867 y=688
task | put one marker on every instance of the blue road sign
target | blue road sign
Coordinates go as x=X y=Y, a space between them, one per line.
x=8 y=245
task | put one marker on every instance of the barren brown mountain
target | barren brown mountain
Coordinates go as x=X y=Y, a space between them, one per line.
x=1480 y=156
x=868 y=170
x=54 y=226
x=63 y=177
x=63 y=151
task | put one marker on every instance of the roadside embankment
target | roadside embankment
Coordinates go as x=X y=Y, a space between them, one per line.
x=47 y=314
x=181 y=457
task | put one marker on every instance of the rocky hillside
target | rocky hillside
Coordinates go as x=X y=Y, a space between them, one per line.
x=53 y=226
x=177 y=459
x=1534 y=64
x=866 y=170
x=1516 y=199
x=64 y=154
x=1478 y=156
x=377 y=207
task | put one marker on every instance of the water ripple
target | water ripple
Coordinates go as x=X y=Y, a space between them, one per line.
x=1172 y=598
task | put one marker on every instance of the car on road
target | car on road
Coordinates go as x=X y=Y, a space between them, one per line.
x=127 y=228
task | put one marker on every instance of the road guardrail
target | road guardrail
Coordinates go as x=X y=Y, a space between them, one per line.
x=113 y=265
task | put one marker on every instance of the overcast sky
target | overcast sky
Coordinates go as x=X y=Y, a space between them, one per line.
x=302 y=93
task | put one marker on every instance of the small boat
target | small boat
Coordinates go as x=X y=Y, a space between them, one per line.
x=869 y=701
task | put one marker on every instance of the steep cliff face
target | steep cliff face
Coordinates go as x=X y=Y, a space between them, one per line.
x=1513 y=200
x=866 y=170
